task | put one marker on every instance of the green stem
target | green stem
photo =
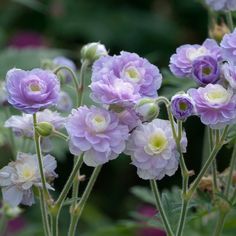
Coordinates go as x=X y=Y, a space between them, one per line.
x=229 y=20
x=160 y=208
x=40 y=162
x=220 y=224
x=44 y=214
x=3 y=224
x=77 y=211
x=214 y=165
x=74 y=77
x=60 y=135
x=231 y=170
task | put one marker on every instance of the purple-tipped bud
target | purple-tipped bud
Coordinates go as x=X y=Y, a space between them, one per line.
x=182 y=106
x=205 y=70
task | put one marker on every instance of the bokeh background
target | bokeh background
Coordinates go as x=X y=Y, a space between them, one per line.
x=33 y=30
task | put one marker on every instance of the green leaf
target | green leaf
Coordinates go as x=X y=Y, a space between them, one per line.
x=144 y=194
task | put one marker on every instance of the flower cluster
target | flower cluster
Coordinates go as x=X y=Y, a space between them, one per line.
x=18 y=178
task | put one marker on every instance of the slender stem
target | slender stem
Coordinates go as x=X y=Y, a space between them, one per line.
x=69 y=182
x=44 y=214
x=229 y=20
x=205 y=167
x=3 y=224
x=80 y=206
x=159 y=206
x=84 y=67
x=60 y=135
x=74 y=77
x=214 y=165
x=231 y=170
x=55 y=219
x=40 y=162
x=220 y=223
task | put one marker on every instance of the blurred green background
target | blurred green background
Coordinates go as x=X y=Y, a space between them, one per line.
x=32 y=30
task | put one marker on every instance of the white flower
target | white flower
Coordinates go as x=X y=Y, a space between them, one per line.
x=18 y=178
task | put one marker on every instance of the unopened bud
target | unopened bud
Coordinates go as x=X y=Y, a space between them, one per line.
x=93 y=51
x=147 y=109
x=217 y=31
x=44 y=129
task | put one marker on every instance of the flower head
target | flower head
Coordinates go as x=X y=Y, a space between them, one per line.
x=31 y=91
x=153 y=150
x=228 y=45
x=64 y=103
x=63 y=61
x=18 y=178
x=205 y=70
x=215 y=105
x=182 y=106
x=23 y=125
x=124 y=79
x=96 y=132
x=181 y=63
x=222 y=5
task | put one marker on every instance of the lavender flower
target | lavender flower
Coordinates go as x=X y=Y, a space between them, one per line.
x=222 y=5
x=182 y=61
x=182 y=106
x=228 y=45
x=215 y=105
x=64 y=103
x=23 y=125
x=18 y=178
x=30 y=91
x=153 y=150
x=124 y=79
x=229 y=74
x=63 y=61
x=205 y=70
x=97 y=133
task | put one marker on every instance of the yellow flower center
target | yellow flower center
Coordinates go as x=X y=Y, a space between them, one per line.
x=99 y=123
x=183 y=106
x=206 y=71
x=35 y=88
x=157 y=142
x=218 y=95
x=133 y=74
x=27 y=172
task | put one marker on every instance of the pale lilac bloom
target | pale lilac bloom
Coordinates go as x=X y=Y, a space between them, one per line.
x=222 y=5
x=153 y=149
x=31 y=91
x=124 y=79
x=18 y=178
x=63 y=61
x=215 y=105
x=228 y=46
x=96 y=132
x=64 y=103
x=23 y=125
x=181 y=63
x=182 y=106
x=229 y=74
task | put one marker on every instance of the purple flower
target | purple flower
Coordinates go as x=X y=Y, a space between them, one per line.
x=205 y=70
x=182 y=106
x=30 y=91
x=18 y=178
x=64 y=103
x=229 y=74
x=124 y=79
x=182 y=61
x=222 y=5
x=215 y=105
x=228 y=45
x=63 y=61
x=153 y=149
x=96 y=132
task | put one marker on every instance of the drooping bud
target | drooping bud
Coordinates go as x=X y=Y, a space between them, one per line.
x=44 y=129
x=182 y=106
x=147 y=109
x=93 y=51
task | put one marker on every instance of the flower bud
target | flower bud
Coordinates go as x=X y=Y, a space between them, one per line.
x=44 y=129
x=93 y=51
x=11 y=212
x=217 y=31
x=182 y=106
x=147 y=109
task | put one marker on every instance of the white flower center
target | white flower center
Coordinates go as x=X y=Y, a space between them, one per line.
x=99 y=123
x=157 y=142
x=194 y=53
x=25 y=172
x=217 y=95
x=133 y=74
